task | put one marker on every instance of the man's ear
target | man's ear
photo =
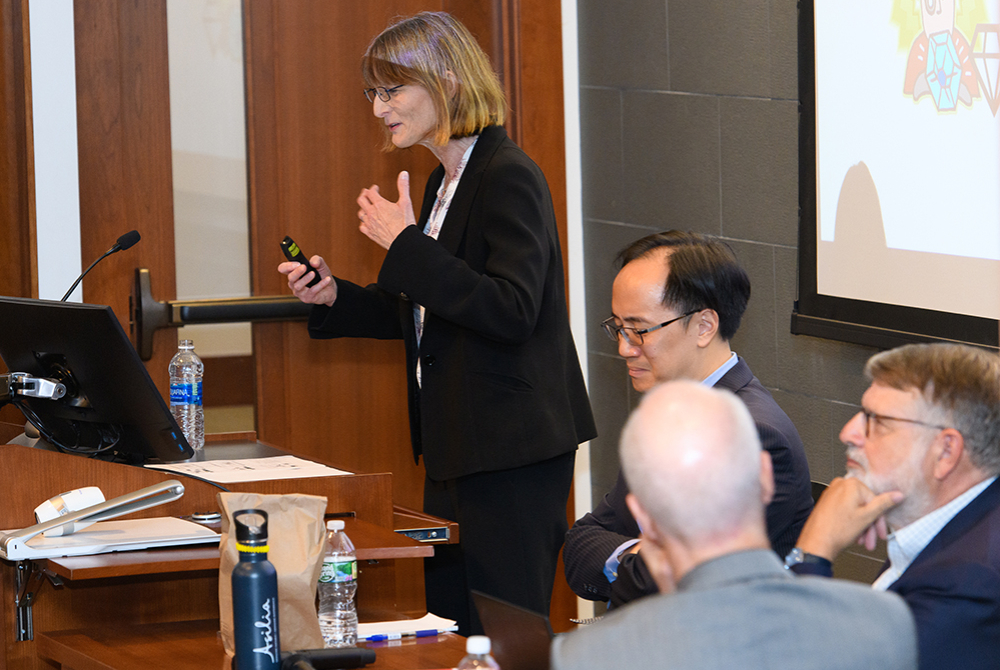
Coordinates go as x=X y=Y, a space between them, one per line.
x=654 y=550
x=707 y=323
x=947 y=450
x=646 y=524
x=766 y=477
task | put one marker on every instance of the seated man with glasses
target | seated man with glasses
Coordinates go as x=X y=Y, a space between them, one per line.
x=677 y=302
x=923 y=456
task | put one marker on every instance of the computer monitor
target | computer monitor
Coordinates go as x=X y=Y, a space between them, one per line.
x=111 y=405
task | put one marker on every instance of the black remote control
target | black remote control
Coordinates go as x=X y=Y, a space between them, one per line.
x=293 y=253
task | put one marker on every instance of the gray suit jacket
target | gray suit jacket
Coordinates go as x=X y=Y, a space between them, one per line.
x=746 y=611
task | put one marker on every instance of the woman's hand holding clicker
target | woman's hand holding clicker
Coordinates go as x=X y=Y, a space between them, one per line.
x=299 y=275
x=382 y=220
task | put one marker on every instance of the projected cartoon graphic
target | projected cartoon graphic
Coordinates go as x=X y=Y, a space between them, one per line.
x=944 y=64
x=986 y=55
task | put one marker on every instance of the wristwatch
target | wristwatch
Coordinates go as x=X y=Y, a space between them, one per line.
x=796 y=556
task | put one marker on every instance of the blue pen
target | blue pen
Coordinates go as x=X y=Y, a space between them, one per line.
x=430 y=632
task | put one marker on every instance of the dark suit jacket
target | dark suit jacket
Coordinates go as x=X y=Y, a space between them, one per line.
x=501 y=381
x=953 y=589
x=594 y=537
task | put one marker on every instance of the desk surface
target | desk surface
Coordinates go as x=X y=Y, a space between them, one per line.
x=195 y=645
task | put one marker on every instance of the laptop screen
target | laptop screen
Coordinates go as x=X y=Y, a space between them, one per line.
x=519 y=637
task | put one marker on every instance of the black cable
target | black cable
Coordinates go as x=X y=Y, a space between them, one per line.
x=90 y=452
x=110 y=434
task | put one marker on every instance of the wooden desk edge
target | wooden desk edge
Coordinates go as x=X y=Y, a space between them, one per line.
x=89 y=649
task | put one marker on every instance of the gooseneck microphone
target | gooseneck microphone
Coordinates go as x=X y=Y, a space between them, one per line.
x=124 y=242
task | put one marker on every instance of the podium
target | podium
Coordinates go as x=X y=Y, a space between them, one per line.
x=164 y=586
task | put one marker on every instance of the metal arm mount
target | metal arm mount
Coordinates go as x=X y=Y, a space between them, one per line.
x=147 y=314
x=21 y=383
x=28 y=578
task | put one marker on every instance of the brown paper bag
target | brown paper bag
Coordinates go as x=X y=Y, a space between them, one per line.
x=296 y=531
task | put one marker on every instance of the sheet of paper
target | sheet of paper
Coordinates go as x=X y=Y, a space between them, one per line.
x=405 y=626
x=251 y=469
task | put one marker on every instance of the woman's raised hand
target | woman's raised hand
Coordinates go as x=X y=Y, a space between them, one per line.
x=382 y=220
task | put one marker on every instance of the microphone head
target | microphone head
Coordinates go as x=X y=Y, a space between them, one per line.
x=128 y=239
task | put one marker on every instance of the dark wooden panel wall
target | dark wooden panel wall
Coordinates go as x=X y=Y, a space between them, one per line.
x=123 y=112
x=17 y=253
x=18 y=271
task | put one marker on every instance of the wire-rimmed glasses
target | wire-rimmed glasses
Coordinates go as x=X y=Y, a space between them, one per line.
x=384 y=94
x=869 y=415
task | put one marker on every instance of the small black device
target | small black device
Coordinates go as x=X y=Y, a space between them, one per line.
x=293 y=253
x=327 y=659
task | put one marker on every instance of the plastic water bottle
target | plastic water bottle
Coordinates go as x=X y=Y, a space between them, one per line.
x=477 y=654
x=255 y=596
x=338 y=582
x=186 y=371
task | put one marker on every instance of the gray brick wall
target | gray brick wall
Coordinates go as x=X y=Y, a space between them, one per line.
x=689 y=120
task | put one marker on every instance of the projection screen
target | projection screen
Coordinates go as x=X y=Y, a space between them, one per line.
x=899 y=171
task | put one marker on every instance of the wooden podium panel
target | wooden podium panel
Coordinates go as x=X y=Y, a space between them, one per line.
x=30 y=476
x=157 y=587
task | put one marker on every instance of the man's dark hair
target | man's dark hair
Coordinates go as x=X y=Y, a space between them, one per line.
x=704 y=274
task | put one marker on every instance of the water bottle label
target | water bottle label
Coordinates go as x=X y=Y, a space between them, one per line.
x=339 y=571
x=185 y=394
x=267 y=628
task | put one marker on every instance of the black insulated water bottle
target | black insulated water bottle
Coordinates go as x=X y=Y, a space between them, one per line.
x=255 y=596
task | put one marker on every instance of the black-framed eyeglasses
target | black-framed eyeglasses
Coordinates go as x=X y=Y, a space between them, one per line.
x=869 y=415
x=634 y=335
x=384 y=94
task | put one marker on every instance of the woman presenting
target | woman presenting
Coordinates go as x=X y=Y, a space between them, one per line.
x=474 y=288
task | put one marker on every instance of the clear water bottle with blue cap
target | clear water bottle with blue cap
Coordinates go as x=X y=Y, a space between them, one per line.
x=186 y=373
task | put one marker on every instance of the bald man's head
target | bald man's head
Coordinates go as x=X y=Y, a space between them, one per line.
x=692 y=458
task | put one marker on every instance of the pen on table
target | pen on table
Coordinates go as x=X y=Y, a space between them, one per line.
x=430 y=632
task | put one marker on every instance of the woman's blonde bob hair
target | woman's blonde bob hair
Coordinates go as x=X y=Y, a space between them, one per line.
x=434 y=50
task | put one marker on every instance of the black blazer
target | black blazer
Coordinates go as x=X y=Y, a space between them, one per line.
x=953 y=588
x=501 y=381
x=597 y=534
